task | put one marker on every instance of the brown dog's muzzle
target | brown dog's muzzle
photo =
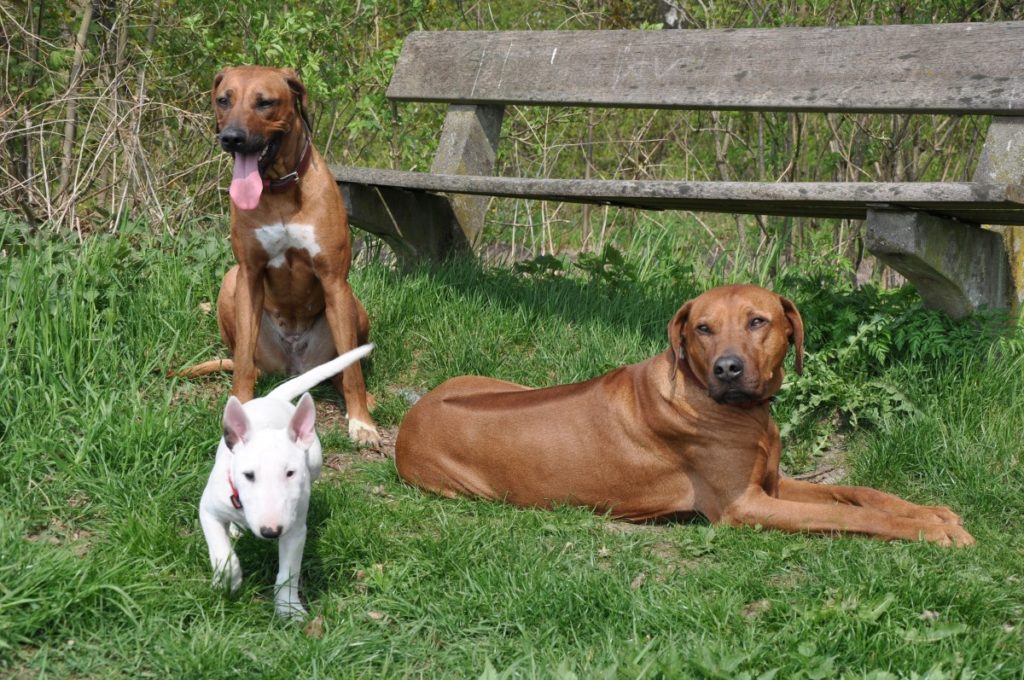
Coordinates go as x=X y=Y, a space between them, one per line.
x=731 y=381
x=235 y=139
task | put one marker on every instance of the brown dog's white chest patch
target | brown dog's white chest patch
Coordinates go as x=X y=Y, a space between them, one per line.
x=277 y=239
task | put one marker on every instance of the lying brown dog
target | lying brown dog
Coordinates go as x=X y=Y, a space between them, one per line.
x=686 y=431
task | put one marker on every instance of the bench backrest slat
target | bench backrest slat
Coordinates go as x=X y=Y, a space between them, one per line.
x=941 y=68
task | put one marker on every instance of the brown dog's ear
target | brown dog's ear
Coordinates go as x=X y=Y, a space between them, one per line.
x=213 y=97
x=796 y=337
x=675 y=330
x=291 y=76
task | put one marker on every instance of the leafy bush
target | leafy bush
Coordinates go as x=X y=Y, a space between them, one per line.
x=864 y=348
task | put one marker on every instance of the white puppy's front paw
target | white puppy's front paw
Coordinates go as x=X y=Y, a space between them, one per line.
x=363 y=433
x=290 y=609
x=228 y=574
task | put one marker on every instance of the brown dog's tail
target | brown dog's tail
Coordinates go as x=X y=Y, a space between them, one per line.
x=205 y=368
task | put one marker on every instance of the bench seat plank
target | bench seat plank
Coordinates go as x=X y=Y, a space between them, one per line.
x=966 y=201
x=940 y=68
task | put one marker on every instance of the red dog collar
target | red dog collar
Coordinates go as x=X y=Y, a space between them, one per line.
x=236 y=502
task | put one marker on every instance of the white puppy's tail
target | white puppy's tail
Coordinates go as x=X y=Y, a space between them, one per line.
x=313 y=377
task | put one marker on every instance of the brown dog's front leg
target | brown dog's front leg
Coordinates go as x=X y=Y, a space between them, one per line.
x=342 y=310
x=757 y=508
x=248 y=312
x=864 y=497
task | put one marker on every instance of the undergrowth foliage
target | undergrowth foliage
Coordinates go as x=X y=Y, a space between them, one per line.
x=863 y=345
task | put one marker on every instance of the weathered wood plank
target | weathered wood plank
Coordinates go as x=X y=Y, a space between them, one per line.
x=939 y=68
x=973 y=202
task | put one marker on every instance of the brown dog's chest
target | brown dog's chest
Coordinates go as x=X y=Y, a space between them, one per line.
x=286 y=251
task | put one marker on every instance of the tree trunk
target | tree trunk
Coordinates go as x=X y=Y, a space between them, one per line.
x=72 y=93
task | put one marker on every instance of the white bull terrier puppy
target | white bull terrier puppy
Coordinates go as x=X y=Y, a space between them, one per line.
x=266 y=461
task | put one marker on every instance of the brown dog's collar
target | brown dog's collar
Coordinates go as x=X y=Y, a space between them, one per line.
x=292 y=178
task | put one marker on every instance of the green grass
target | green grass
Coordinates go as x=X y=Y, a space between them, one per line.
x=103 y=567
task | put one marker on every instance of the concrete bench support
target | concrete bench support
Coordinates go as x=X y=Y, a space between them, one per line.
x=419 y=227
x=955 y=268
x=469 y=146
x=1002 y=162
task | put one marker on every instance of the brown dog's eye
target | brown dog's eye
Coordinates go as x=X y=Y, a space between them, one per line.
x=704 y=328
x=223 y=101
x=266 y=103
x=757 y=322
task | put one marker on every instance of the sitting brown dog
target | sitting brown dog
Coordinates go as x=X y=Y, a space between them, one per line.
x=686 y=431
x=287 y=306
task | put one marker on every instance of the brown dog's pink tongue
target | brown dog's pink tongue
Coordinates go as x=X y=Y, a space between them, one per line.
x=246 y=183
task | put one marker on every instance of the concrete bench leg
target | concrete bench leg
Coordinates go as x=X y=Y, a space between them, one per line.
x=418 y=227
x=1002 y=162
x=425 y=227
x=469 y=146
x=955 y=267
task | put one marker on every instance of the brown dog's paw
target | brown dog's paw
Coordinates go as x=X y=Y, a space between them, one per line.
x=364 y=434
x=943 y=514
x=949 y=535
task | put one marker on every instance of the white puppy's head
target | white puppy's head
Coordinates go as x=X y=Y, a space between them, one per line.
x=269 y=467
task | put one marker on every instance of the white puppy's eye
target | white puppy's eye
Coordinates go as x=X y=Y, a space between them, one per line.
x=251 y=476
x=289 y=473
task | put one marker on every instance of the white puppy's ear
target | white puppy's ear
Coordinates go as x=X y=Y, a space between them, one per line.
x=301 y=428
x=236 y=424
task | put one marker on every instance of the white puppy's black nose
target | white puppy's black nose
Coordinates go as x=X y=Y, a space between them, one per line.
x=270 y=532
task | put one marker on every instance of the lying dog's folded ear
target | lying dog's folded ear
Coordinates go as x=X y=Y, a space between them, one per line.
x=301 y=429
x=676 y=340
x=236 y=424
x=675 y=331
x=796 y=335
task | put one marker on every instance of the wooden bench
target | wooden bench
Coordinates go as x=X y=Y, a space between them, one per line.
x=927 y=231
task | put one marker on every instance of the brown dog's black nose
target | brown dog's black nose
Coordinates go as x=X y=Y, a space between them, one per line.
x=270 y=532
x=232 y=139
x=728 y=368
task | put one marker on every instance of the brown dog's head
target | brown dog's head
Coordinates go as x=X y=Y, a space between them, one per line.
x=735 y=338
x=256 y=108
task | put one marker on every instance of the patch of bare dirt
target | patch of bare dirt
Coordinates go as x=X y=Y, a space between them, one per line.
x=830 y=464
x=754 y=609
x=57 y=532
x=337 y=464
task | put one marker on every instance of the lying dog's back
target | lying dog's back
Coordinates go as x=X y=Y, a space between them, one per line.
x=568 y=444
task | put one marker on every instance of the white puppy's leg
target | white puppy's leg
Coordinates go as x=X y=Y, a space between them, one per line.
x=226 y=569
x=286 y=597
